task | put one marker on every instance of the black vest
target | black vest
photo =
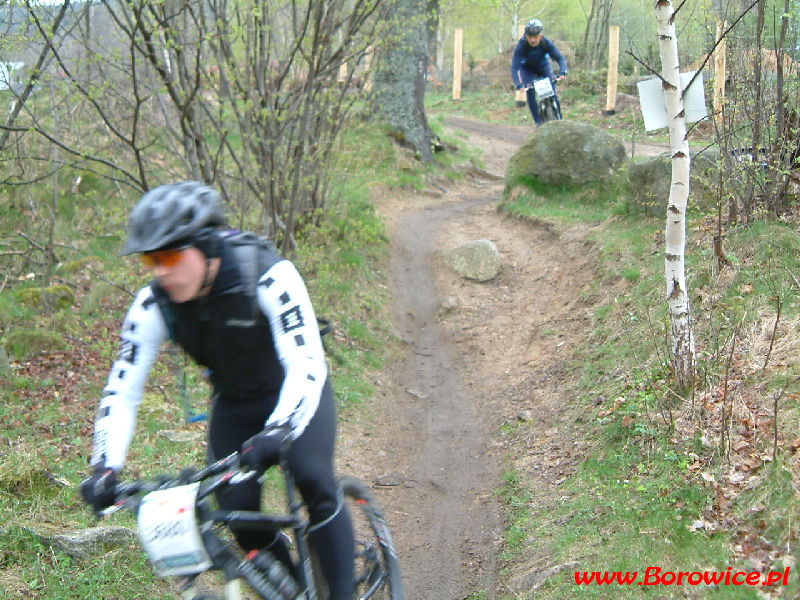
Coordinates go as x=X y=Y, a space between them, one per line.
x=226 y=331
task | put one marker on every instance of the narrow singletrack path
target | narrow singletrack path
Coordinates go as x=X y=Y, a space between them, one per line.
x=475 y=356
x=452 y=474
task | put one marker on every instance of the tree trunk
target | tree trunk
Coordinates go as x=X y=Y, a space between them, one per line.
x=758 y=103
x=683 y=346
x=784 y=143
x=400 y=74
x=595 y=34
x=589 y=24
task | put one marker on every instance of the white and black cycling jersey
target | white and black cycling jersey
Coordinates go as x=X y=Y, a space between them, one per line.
x=278 y=356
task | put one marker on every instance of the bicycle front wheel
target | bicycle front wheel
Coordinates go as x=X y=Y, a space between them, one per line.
x=377 y=567
x=549 y=110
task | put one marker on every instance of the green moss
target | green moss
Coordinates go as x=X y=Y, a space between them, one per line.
x=56 y=297
x=73 y=266
x=21 y=472
x=27 y=342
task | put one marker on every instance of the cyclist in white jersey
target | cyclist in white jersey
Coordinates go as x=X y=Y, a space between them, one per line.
x=258 y=336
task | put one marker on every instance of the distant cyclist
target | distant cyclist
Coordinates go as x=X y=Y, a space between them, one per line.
x=532 y=61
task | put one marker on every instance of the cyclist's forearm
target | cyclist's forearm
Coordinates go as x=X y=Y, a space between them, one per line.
x=143 y=331
x=284 y=300
x=113 y=432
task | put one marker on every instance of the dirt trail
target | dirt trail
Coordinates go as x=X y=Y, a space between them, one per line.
x=478 y=355
x=453 y=537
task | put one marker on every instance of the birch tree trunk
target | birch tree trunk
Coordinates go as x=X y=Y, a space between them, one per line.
x=683 y=346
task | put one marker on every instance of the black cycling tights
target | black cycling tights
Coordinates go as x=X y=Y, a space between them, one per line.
x=311 y=464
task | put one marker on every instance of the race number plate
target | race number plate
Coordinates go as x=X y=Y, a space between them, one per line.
x=169 y=533
x=544 y=89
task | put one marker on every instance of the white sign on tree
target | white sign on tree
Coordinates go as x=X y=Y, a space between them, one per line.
x=8 y=73
x=651 y=99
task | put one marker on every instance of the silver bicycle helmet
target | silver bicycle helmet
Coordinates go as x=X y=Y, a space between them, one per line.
x=173 y=213
x=533 y=27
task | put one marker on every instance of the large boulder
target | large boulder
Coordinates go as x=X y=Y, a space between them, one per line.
x=648 y=181
x=567 y=153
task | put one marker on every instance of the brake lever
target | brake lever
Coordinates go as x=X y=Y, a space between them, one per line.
x=110 y=510
x=242 y=476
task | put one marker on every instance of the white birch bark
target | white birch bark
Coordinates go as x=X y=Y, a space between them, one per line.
x=683 y=346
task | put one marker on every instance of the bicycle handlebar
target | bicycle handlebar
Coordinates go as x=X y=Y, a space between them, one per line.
x=228 y=468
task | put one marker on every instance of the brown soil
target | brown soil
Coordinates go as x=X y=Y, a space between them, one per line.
x=477 y=355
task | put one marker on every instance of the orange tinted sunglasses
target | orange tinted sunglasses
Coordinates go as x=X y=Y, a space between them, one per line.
x=165 y=258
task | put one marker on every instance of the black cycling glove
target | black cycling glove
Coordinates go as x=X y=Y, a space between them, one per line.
x=98 y=490
x=263 y=449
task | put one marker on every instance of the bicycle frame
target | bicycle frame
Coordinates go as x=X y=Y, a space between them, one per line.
x=220 y=552
x=545 y=98
x=259 y=521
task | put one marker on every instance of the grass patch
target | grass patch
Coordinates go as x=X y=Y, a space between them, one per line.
x=40 y=571
x=516 y=499
x=23 y=343
x=634 y=503
x=560 y=204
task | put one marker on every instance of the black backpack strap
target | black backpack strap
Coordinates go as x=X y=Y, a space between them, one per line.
x=162 y=301
x=249 y=250
x=324 y=326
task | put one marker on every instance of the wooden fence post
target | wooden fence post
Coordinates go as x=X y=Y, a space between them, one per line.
x=613 y=69
x=457 y=63
x=720 y=68
x=520 y=95
x=368 y=69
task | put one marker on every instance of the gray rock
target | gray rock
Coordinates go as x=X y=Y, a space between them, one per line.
x=478 y=260
x=524 y=416
x=567 y=153
x=393 y=479
x=89 y=542
x=648 y=184
x=624 y=102
x=181 y=435
x=648 y=181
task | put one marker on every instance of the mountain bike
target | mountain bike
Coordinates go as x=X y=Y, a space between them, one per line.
x=185 y=536
x=549 y=106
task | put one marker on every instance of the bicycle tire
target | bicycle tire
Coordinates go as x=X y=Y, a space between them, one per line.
x=548 y=110
x=378 y=574
x=557 y=110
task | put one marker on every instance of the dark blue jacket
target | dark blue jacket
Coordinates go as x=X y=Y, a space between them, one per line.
x=535 y=60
